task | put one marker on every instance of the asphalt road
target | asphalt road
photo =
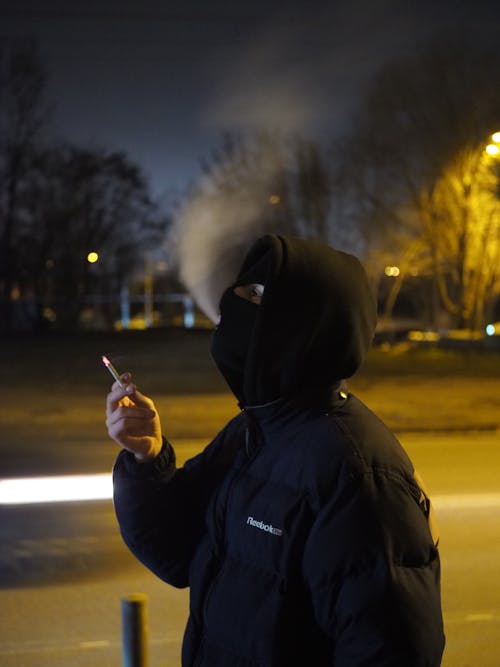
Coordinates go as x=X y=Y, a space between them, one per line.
x=63 y=568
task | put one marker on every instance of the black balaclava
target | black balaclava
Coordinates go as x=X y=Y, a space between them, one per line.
x=312 y=329
x=232 y=338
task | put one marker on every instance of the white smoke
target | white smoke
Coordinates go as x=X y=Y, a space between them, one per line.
x=210 y=238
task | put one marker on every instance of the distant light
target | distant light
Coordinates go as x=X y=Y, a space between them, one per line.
x=492 y=149
x=28 y=490
x=49 y=314
x=429 y=336
x=189 y=315
x=392 y=271
x=496 y=137
x=490 y=330
x=92 y=257
x=274 y=199
x=161 y=266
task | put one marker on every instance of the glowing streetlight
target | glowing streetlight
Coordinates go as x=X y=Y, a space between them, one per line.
x=493 y=149
x=392 y=271
x=92 y=257
x=274 y=199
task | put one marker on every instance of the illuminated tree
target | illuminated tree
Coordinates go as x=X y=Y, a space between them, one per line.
x=462 y=224
x=415 y=179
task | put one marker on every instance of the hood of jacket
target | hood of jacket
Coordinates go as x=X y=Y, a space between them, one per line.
x=315 y=322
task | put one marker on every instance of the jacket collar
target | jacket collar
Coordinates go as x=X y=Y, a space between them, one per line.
x=319 y=401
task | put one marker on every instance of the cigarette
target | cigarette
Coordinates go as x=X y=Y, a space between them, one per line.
x=111 y=369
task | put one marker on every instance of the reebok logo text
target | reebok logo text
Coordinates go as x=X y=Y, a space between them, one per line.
x=267 y=527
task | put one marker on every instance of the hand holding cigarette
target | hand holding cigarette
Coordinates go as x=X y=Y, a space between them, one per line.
x=131 y=418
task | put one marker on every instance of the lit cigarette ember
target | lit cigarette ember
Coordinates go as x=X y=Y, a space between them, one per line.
x=111 y=369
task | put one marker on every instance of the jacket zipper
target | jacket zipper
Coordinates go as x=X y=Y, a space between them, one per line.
x=222 y=553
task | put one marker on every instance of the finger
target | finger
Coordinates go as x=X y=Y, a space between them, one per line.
x=124 y=430
x=125 y=379
x=130 y=412
x=129 y=416
x=133 y=434
x=124 y=382
x=116 y=395
x=140 y=400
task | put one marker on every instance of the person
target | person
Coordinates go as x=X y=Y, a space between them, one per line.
x=301 y=530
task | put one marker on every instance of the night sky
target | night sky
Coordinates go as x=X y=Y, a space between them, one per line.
x=163 y=80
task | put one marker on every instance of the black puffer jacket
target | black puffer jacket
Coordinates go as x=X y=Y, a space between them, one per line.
x=300 y=530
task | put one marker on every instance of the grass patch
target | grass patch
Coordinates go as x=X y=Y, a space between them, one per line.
x=178 y=361
x=171 y=361
x=408 y=359
x=54 y=391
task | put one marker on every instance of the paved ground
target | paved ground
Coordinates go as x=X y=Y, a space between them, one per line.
x=67 y=569
x=63 y=568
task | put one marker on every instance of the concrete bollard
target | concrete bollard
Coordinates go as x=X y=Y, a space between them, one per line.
x=135 y=630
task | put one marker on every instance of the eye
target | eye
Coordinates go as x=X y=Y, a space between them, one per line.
x=256 y=290
x=252 y=292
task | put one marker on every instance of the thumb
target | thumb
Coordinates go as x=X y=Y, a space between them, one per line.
x=140 y=400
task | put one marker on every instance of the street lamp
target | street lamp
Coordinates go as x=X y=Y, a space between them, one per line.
x=493 y=149
x=92 y=257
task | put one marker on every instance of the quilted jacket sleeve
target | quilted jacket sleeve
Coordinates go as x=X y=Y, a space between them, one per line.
x=161 y=508
x=372 y=569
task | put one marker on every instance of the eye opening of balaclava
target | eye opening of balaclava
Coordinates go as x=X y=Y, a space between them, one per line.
x=233 y=335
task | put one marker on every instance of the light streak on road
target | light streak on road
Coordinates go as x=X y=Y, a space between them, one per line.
x=68 y=488
x=62 y=488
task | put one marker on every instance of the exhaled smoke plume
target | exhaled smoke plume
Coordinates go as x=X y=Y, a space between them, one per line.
x=211 y=236
x=229 y=211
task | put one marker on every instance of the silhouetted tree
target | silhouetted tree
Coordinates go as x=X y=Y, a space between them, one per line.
x=80 y=201
x=313 y=190
x=22 y=115
x=58 y=203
